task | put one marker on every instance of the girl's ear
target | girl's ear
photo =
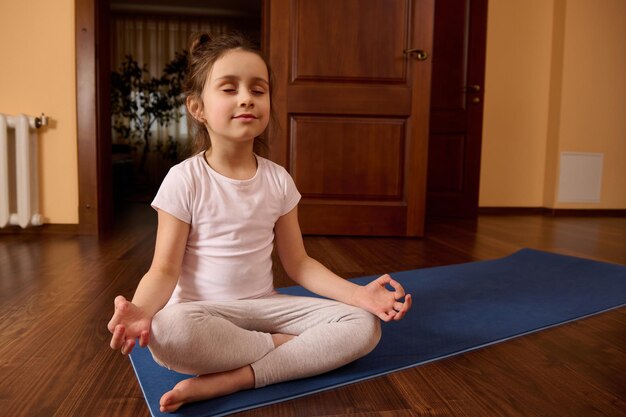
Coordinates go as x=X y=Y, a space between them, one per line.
x=194 y=106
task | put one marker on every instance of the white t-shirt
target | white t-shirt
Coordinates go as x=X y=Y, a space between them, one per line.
x=228 y=252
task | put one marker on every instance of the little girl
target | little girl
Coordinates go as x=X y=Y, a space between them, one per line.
x=207 y=306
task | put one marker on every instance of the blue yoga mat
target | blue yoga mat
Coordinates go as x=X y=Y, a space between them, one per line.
x=456 y=309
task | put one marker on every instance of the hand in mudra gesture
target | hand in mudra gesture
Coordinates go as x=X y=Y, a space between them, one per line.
x=128 y=323
x=387 y=304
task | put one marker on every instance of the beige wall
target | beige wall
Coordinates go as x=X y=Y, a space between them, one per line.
x=593 y=100
x=38 y=36
x=517 y=81
x=554 y=83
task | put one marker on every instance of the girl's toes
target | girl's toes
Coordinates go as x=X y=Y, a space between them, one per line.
x=170 y=401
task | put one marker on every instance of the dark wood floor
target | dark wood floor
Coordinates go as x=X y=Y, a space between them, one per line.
x=56 y=295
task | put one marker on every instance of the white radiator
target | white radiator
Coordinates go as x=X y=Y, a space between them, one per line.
x=19 y=178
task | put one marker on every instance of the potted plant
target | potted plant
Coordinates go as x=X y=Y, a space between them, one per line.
x=139 y=101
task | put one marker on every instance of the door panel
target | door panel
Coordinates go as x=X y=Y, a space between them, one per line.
x=352 y=111
x=347 y=29
x=456 y=108
x=367 y=154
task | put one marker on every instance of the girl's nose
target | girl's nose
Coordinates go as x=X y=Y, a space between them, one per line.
x=246 y=99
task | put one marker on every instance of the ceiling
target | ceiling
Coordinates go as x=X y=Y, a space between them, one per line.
x=239 y=8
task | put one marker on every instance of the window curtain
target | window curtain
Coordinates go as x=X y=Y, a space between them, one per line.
x=153 y=41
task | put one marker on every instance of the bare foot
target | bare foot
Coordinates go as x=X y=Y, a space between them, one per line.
x=204 y=387
x=281 y=338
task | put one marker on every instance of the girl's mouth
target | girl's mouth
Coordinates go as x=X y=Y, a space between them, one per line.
x=245 y=116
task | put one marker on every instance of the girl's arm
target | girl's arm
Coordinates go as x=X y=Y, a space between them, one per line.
x=132 y=320
x=315 y=277
x=156 y=286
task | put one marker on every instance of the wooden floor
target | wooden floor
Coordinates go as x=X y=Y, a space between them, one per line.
x=56 y=296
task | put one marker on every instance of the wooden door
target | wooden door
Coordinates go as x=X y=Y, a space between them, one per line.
x=352 y=111
x=456 y=112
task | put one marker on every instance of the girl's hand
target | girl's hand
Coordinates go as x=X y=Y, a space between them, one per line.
x=128 y=323
x=377 y=299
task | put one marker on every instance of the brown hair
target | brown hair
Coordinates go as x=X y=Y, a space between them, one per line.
x=204 y=51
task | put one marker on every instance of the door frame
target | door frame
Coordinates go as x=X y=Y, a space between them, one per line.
x=95 y=205
x=93 y=125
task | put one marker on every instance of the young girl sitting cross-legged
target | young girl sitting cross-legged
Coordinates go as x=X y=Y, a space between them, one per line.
x=207 y=306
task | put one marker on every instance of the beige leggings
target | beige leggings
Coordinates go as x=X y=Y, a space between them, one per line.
x=207 y=337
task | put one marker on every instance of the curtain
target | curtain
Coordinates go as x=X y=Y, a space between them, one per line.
x=153 y=41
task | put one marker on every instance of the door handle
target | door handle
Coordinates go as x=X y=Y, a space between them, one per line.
x=420 y=54
x=472 y=88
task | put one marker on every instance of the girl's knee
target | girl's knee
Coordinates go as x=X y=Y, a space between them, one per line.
x=167 y=323
x=366 y=333
x=371 y=331
x=168 y=337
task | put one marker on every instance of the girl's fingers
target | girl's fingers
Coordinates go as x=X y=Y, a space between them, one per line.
x=408 y=301
x=386 y=279
x=120 y=304
x=128 y=346
x=398 y=287
x=383 y=280
x=112 y=324
x=144 y=338
x=384 y=316
x=117 y=340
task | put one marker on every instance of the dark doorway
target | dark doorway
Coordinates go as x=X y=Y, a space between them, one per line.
x=154 y=34
x=456 y=111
